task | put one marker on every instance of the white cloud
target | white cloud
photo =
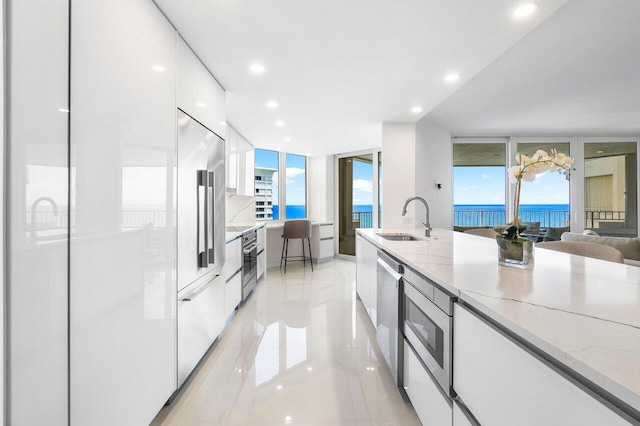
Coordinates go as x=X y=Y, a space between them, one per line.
x=485 y=176
x=292 y=172
x=363 y=185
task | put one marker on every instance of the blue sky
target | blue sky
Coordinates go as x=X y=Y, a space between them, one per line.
x=362 y=183
x=485 y=185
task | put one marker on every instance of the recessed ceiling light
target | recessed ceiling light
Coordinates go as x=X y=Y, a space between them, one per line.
x=256 y=68
x=309 y=368
x=287 y=139
x=272 y=104
x=157 y=68
x=416 y=109
x=279 y=123
x=222 y=123
x=279 y=387
x=450 y=78
x=524 y=10
x=63 y=110
x=599 y=151
x=200 y=104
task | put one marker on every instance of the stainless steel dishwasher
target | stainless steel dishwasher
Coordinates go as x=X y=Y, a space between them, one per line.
x=389 y=286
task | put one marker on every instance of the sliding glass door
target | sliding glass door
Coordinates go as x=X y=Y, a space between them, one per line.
x=611 y=188
x=359 y=197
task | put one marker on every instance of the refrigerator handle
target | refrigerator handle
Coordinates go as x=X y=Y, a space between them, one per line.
x=202 y=236
x=211 y=217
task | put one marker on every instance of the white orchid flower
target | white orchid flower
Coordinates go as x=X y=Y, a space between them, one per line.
x=513 y=173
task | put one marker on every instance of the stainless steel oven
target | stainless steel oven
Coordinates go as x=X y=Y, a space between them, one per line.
x=427 y=323
x=249 y=262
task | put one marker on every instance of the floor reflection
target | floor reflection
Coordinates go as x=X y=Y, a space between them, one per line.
x=301 y=350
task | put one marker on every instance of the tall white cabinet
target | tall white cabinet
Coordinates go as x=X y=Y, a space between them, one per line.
x=37 y=210
x=123 y=250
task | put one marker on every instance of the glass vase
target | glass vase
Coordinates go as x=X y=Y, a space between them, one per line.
x=517 y=253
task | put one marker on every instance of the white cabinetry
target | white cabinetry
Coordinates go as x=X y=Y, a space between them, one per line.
x=262 y=250
x=123 y=157
x=202 y=318
x=367 y=276
x=233 y=276
x=240 y=164
x=432 y=407
x=36 y=203
x=502 y=384
x=198 y=93
x=322 y=242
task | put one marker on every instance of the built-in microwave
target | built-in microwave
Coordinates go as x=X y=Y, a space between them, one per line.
x=427 y=323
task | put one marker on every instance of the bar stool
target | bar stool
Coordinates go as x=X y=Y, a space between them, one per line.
x=294 y=229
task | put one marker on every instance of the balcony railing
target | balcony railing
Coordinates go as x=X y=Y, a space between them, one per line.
x=363 y=219
x=547 y=218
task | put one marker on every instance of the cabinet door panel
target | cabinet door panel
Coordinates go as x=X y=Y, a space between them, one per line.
x=199 y=94
x=232 y=294
x=36 y=208
x=362 y=273
x=502 y=384
x=123 y=145
x=430 y=405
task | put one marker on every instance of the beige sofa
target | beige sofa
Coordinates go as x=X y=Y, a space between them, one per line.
x=629 y=247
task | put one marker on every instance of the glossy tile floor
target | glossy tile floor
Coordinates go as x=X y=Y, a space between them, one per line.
x=302 y=351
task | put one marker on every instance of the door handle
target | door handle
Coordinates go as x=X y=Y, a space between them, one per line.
x=203 y=236
x=211 y=217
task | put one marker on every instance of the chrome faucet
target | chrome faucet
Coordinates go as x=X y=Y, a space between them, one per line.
x=427 y=231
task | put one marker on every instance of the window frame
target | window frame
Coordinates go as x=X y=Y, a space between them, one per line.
x=282 y=185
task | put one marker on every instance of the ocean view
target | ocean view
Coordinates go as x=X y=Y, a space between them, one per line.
x=468 y=215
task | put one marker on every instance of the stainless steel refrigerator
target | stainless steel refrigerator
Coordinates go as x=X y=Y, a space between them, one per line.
x=201 y=233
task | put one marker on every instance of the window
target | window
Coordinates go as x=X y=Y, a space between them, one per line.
x=546 y=200
x=276 y=186
x=479 y=177
x=266 y=184
x=296 y=186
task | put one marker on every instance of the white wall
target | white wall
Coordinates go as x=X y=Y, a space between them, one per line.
x=434 y=162
x=321 y=187
x=2 y=201
x=398 y=174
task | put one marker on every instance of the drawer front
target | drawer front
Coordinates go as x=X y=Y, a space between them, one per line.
x=432 y=407
x=326 y=249
x=325 y=231
x=232 y=294
x=234 y=257
x=200 y=320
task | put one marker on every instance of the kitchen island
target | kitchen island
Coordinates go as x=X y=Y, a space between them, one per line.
x=577 y=316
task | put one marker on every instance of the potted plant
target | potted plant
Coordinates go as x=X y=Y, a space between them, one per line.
x=513 y=249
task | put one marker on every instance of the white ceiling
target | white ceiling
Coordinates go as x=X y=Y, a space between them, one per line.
x=339 y=68
x=578 y=73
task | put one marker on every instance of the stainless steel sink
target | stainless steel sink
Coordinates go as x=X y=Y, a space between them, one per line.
x=401 y=237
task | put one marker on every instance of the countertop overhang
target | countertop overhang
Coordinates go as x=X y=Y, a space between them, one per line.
x=583 y=313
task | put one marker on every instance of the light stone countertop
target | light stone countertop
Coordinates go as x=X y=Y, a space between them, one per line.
x=232 y=235
x=583 y=312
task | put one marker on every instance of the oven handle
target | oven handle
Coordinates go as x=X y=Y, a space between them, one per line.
x=250 y=248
